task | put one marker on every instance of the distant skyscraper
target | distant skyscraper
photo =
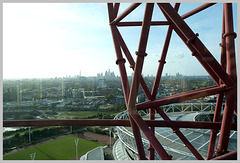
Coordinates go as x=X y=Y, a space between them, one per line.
x=182 y=83
x=41 y=89
x=63 y=88
x=19 y=91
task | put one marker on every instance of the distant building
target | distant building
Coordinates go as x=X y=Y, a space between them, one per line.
x=120 y=100
x=182 y=83
x=109 y=74
x=101 y=83
x=141 y=98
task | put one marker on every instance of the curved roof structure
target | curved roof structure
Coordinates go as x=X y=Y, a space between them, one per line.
x=171 y=142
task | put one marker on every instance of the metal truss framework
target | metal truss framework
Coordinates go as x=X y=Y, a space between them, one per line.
x=226 y=82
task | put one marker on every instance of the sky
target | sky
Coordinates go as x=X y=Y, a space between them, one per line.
x=42 y=40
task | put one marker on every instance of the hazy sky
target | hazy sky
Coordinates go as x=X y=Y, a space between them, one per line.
x=62 y=39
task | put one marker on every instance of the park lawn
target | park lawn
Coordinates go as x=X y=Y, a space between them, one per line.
x=78 y=114
x=62 y=149
x=81 y=114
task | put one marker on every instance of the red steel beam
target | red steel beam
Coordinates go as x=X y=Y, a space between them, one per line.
x=156 y=23
x=132 y=64
x=229 y=36
x=223 y=45
x=140 y=58
x=214 y=132
x=115 y=9
x=180 y=135
x=157 y=80
x=150 y=148
x=229 y=156
x=137 y=75
x=188 y=124
x=174 y=17
x=196 y=54
x=220 y=96
x=142 y=82
x=198 y=9
x=231 y=95
x=163 y=57
x=120 y=60
x=138 y=139
x=111 y=122
x=182 y=97
x=66 y=122
x=139 y=23
x=150 y=136
x=226 y=123
x=124 y=13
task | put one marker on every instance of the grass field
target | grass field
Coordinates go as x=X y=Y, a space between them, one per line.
x=62 y=149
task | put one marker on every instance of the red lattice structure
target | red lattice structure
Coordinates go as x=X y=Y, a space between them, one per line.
x=226 y=82
x=224 y=75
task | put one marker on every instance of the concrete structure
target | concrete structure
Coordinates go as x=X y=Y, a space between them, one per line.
x=94 y=154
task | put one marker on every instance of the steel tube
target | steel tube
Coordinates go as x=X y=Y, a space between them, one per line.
x=132 y=64
x=140 y=58
x=115 y=9
x=231 y=94
x=138 y=139
x=197 y=10
x=150 y=136
x=138 y=23
x=223 y=45
x=189 y=145
x=196 y=54
x=111 y=122
x=150 y=148
x=120 y=59
x=163 y=57
x=218 y=107
x=157 y=80
x=230 y=47
x=180 y=135
x=136 y=77
x=145 y=28
x=125 y=13
x=195 y=42
x=188 y=124
x=157 y=23
x=229 y=156
x=181 y=97
x=214 y=132
x=226 y=123
x=70 y=122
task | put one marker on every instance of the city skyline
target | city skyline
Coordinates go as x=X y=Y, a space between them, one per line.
x=65 y=39
x=103 y=74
